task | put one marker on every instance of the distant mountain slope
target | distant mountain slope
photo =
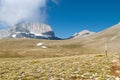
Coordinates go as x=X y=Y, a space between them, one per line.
x=109 y=37
x=29 y=30
x=83 y=33
x=110 y=32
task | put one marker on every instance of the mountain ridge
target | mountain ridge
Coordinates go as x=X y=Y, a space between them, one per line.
x=29 y=30
x=83 y=33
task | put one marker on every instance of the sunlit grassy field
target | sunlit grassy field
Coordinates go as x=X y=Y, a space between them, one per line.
x=21 y=59
x=12 y=48
x=83 y=67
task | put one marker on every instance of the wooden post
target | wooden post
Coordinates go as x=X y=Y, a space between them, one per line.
x=119 y=59
x=106 y=50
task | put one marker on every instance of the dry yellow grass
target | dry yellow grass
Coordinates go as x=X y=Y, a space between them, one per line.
x=27 y=48
x=84 y=67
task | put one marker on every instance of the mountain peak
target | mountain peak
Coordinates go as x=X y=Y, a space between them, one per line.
x=83 y=33
x=119 y=23
x=29 y=30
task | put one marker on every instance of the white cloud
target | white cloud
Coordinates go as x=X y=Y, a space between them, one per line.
x=14 y=11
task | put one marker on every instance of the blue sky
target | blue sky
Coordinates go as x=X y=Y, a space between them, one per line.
x=71 y=16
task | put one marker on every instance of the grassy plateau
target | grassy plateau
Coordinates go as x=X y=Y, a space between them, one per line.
x=21 y=59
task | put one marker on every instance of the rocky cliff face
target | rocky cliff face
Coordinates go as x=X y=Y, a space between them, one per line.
x=28 y=30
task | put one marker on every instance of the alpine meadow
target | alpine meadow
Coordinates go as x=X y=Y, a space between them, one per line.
x=59 y=40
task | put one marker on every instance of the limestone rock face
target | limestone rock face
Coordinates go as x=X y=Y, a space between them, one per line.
x=29 y=30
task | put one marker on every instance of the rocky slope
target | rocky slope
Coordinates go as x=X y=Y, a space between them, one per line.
x=29 y=30
x=83 y=33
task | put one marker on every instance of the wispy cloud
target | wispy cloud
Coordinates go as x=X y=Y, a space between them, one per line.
x=14 y=11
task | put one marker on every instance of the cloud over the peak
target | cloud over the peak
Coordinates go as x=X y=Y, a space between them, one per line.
x=14 y=11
